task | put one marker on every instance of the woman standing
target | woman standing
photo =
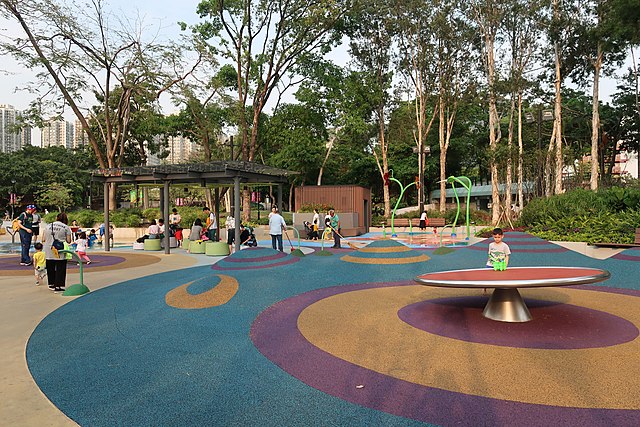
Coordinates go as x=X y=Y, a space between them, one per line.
x=54 y=235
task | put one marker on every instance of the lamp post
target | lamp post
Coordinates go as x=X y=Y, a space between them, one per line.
x=13 y=198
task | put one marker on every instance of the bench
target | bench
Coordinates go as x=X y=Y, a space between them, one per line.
x=415 y=222
x=636 y=243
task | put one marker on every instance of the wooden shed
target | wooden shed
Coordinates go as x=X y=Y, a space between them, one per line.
x=345 y=199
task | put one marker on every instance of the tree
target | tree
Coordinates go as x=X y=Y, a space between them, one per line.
x=488 y=16
x=55 y=194
x=591 y=47
x=35 y=168
x=81 y=51
x=415 y=62
x=455 y=55
x=522 y=32
x=371 y=35
x=265 y=41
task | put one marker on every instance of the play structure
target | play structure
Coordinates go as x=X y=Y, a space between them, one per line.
x=78 y=288
x=462 y=180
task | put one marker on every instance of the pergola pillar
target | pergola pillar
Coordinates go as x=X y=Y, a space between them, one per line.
x=107 y=231
x=165 y=215
x=236 y=213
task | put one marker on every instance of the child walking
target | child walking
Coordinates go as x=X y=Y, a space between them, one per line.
x=81 y=246
x=39 y=263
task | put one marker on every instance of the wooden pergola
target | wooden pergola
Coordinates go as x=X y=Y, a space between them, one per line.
x=212 y=174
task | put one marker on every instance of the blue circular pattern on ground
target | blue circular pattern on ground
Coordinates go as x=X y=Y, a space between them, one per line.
x=122 y=356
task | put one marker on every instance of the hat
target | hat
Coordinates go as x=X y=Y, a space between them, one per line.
x=31 y=207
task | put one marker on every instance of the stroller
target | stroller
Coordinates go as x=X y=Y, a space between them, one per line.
x=311 y=233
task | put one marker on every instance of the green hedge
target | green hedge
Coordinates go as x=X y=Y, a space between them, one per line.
x=608 y=216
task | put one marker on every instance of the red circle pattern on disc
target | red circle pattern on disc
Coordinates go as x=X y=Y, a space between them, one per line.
x=519 y=273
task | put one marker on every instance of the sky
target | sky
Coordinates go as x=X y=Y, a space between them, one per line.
x=161 y=16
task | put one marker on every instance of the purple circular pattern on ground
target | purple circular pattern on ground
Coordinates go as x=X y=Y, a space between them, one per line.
x=13 y=262
x=256 y=259
x=275 y=334
x=554 y=326
x=247 y=265
x=628 y=255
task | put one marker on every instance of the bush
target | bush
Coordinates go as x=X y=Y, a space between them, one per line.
x=609 y=216
x=125 y=218
x=86 y=218
x=321 y=207
x=151 y=213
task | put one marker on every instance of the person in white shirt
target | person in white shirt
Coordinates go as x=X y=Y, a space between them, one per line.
x=423 y=220
x=211 y=224
x=498 y=250
x=276 y=225
x=81 y=247
x=230 y=225
x=154 y=230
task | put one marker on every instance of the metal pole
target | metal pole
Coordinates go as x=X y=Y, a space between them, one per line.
x=236 y=213
x=216 y=204
x=165 y=216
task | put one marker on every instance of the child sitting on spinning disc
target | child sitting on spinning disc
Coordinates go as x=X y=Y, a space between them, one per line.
x=498 y=251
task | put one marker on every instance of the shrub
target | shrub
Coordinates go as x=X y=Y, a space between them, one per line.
x=151 y=213
x=125 y=218
x=609 y=216
x=321 y=207
x=86 y=217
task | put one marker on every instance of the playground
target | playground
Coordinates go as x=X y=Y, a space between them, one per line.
x=268 y=338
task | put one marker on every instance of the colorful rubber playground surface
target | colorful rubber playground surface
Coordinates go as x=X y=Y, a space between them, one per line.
x=268 y=338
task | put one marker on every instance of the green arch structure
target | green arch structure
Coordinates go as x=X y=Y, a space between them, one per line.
x=466 y=183
x=395 y=208
x=78 y=288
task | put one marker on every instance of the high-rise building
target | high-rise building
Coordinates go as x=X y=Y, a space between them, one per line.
x=12 y=139
x=80 y=137
x=57 y=132
x=181 y=150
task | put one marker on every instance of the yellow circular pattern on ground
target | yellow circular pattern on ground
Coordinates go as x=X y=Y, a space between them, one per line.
x=363 y=328
x=406 y=260
x=219 y=295
x=387 y=249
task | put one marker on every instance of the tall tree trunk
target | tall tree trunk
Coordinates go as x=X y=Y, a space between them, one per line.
x=520 y=156
x=494 y=130
x=443 y=155
x=509 y=177
x=557 y=123
x=636 y=80
x=548 y=166
x=291 y=187
x=326 y=157
x=385 y=160
x=595 y=120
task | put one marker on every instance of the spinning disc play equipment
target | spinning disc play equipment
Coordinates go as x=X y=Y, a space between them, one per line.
x=506 y=303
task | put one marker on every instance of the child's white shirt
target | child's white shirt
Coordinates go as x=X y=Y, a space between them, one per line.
x=499 y=251
x=81 y=245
